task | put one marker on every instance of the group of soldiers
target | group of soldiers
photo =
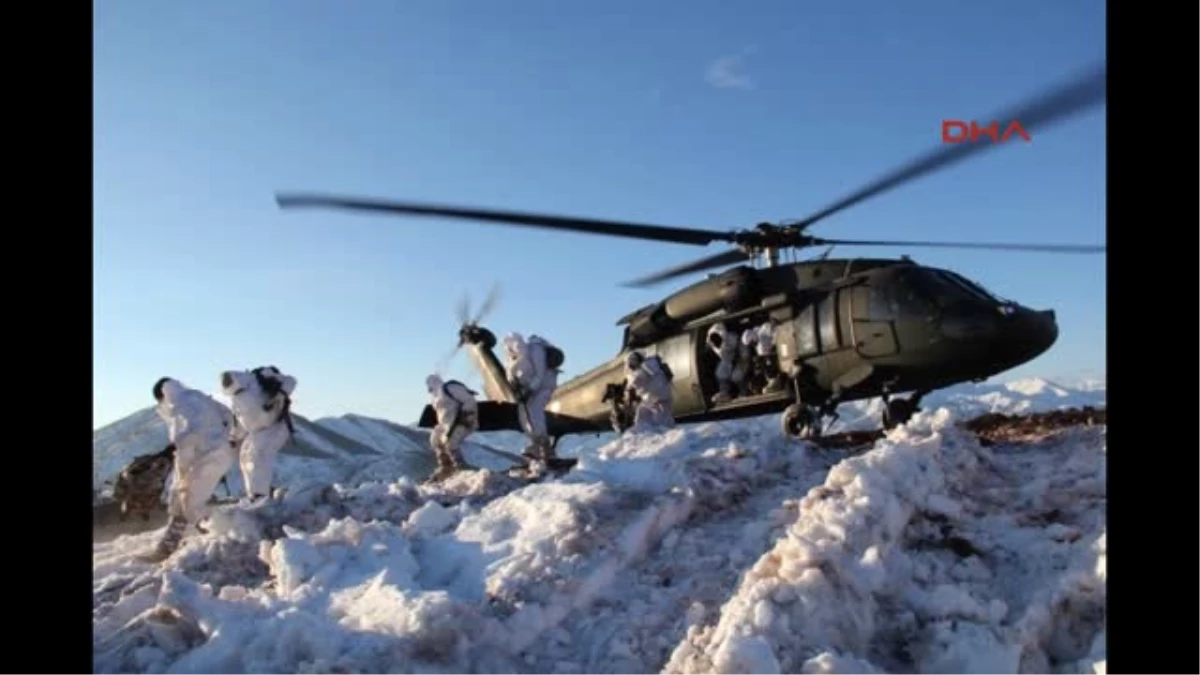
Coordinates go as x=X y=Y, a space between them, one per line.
x=746 y=362
x=205 y=440
x=643 y=401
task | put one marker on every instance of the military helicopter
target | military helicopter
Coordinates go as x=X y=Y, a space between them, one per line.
x=845 y=329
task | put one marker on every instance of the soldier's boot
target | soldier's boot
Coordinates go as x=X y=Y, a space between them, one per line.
x=544 y=449
x=774 y=379
x=170 y=541
x=456 y=459
x=537 y=449
x=774 y=383
x=259 y=499
x=445 y=467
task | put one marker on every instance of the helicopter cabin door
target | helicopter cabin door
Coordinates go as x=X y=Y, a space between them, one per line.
x=873 y=321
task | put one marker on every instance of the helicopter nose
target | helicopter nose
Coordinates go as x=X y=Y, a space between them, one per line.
x=1047 y=324
x=1034 y=332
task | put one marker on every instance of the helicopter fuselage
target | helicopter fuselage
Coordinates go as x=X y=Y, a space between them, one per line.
x=845 y=330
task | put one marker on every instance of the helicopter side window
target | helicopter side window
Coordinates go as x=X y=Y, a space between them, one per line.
x=881 y=303
x=828 y=322
x=806 y=334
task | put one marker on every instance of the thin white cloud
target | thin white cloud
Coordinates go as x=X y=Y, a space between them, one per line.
x=727 y=72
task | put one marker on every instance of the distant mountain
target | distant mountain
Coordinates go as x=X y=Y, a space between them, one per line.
x=114 y=445
x=1014 y=397
x=355 y=447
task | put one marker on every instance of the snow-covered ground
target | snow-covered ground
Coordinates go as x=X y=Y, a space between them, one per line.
x=708 y=548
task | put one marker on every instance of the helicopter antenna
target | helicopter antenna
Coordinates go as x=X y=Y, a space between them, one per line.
x=766 y=240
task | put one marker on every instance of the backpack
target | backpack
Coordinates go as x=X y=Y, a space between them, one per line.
x=446 y=389
x=272 y=387
x=666 y=370
x=554 y=355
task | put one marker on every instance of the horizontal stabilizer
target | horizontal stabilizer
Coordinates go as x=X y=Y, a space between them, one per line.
x=493 y=416
x=503 y=416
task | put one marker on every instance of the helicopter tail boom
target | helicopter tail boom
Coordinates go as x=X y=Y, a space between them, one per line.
x=495 y=381
x=504 y=416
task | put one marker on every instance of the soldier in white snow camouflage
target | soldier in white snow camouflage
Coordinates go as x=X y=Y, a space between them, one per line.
x=200 y=429
x=457 y=415
x=532 y=371
x=262 y=403
x=649 y=381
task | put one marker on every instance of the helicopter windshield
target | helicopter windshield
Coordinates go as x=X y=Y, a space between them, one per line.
x=894 y=300
x=971 y=287
x=943 y=290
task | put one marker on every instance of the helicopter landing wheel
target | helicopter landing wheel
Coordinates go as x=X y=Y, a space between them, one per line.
x=801 y=422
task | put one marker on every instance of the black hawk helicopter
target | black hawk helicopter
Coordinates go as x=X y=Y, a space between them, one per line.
x=845 y=329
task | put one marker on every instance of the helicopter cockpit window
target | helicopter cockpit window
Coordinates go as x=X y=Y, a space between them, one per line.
x=940 y=290
x=898 y=298
x=971 y=287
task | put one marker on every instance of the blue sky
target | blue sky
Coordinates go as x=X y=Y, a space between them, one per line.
x=704 y=114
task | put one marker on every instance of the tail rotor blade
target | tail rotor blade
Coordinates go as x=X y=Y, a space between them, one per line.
x=462 y=311
x=489 y=303
x=444 y=362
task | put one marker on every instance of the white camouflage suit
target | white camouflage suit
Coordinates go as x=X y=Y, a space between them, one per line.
x=764 y=346
x=534 y=383
x=457 y=417
x=726 y=344
x=645 y=378
x=261 y=420
x=200 y=429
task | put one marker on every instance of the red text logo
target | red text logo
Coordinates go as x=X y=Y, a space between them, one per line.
x=958 y=131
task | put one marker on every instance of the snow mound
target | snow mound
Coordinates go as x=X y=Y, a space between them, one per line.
x=707 y=548
x=929 y=553
x=493 y=558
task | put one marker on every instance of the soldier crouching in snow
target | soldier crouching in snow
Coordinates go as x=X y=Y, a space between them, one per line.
x=199 y=428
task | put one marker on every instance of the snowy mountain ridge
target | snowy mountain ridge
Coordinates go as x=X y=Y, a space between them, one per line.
x=328 y=449
x=341 y=446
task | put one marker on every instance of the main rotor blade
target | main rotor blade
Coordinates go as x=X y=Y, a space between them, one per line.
x=677 y=235
x=1053 y=106
x=1044 y=248
x=719 y=260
